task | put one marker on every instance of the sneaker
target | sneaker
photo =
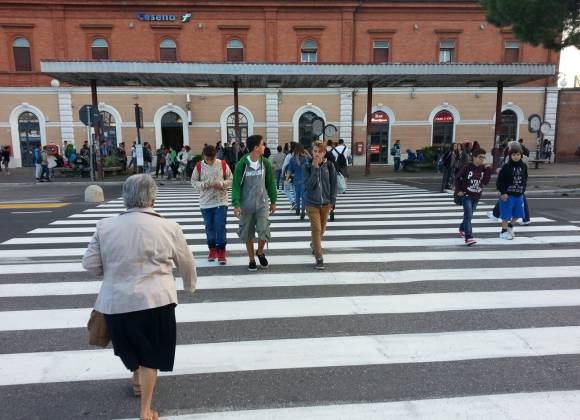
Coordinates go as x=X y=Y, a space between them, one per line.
x=461 y=233
x=319 y=265
x=297 y=212
x=263 y=260
x=470 y=241
x=506 y=235
x=522 y=223
x=448 y=191
x=302 y=215
x=221 y=256
x=332 y=216
x=212 y=254
x=511 y=232
x=252 y=266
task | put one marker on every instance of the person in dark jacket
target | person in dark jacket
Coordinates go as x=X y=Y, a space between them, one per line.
x=469 y=186
x=511 y=184
x=320 y=195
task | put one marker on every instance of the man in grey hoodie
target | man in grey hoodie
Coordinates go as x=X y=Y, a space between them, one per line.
x=253 y=185
x=320 y=188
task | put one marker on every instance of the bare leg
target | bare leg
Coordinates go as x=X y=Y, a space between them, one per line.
x=261 y=245
x=148 y=378
x=250 y=249
x=504 y=224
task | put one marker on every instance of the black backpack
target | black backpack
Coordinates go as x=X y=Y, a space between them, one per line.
x=340 y=159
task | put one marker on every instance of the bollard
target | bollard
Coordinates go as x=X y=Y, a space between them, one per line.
x=94 y=194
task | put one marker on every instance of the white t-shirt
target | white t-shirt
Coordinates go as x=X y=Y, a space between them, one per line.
x=254 y=165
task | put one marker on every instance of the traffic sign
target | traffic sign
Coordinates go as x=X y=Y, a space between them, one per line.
x=89 y=115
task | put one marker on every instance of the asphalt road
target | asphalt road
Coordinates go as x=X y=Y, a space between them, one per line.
x=404 y=314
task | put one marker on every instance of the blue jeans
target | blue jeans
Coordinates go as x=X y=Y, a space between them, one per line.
x=397 y=163
x=299 y=195
x=278 y=178
x=469 y=206
x=215 y=219
x=288 y=191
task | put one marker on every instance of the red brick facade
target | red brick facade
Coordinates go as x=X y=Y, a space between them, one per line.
x=567 y=134
x=270 y=31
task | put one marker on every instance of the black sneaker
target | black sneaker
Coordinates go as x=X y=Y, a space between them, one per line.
x=302 y=216
x=297 y=212
x=263 y=260
x=319 y=265
x=332 y=216
x=252 y=266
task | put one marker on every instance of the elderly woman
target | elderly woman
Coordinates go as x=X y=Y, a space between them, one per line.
x=134 y=253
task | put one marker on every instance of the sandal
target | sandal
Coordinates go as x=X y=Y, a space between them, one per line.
x=153 y=415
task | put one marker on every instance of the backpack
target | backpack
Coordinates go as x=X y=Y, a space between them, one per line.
x=340 y=159
x=393 y=151
x=146 y=155
x=198 y=167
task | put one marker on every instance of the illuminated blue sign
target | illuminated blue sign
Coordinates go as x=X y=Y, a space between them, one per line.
x=163 y=17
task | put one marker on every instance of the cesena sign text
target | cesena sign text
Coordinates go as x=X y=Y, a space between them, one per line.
x=163 y=17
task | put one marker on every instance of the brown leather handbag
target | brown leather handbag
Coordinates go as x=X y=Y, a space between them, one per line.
x=98 y=332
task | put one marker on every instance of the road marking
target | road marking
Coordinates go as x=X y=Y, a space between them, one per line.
x=311 y=307
x=302 y=234
x=250 y=280
x=553 y=405
x=32 y=205
x=91 y=365
x=30 y=212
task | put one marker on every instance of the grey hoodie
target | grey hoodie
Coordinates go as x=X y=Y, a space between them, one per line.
x=320 y=186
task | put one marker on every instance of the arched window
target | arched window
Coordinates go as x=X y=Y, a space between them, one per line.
x=168 y=50
x=109 y=128
x=100 y=49
x=305 y=132
x=231 y=126
x=235 y=50
x=29 y=134
x=21 y=52
x=309 y=51
x=443 y=125
x=379 y=131
x=509 y=126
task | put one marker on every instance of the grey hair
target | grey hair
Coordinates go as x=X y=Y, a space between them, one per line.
x=139 y=191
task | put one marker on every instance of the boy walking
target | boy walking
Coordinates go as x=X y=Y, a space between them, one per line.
x=319 y=196
x=253 y=185
x=511 y=184
x=469 y=186
x=212 y=178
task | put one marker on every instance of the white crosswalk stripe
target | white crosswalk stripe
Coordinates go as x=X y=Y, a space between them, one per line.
x=401 y=293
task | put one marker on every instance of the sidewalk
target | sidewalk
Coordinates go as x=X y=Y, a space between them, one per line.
x=25 y=176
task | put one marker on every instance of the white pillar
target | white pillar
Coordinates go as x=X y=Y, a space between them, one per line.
x=66 y=118
x=345 y=130
x=550 y=114
x=272 y=121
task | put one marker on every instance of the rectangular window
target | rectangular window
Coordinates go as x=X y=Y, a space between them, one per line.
x=100 y=53
x=168 y=54
x=446 y=51
x=511 y=52
x=380 y=52
x=235 y=54
x=22 y=59
x=308 y=57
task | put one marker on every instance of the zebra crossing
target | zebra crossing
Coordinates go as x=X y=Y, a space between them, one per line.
x=406 y=321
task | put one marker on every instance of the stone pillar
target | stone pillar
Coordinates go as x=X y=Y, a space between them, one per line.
x=66 y=117
x=345 y=131
x=272 y=121
x=550 y=115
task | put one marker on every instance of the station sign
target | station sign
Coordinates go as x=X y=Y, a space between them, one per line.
x=164 y=17
x=379 y=117
x=443 y=117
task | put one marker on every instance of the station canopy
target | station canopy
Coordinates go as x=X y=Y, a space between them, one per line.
x=273 y=75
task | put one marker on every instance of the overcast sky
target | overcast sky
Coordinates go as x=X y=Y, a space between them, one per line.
x=570 y=65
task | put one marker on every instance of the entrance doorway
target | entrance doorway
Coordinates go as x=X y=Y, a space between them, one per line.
x=29 y=133
x=379 y=138
x=172 y=131
x=305 y=134
x=509 y=126
x=443 y=127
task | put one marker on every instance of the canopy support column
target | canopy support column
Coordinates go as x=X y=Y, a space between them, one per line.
x=496 y=136
x=95 y=146
x=368 y=133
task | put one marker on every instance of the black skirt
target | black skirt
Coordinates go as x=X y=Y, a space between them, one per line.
x=144 y=338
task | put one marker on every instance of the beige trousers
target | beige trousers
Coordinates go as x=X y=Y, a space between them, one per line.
x=318 y=217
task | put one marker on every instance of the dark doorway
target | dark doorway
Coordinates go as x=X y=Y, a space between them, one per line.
x=109 y=129
x=379 y=138
x=305 y=136
x=443 y=124
x=509 y=126
x=29 y=132
x=172 y=131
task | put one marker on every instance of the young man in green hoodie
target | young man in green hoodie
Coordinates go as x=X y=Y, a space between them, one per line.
x=253 y=185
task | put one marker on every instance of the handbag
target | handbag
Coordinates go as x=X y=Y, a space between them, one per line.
x=340 y=183
x=458 y=199
x=98 y=332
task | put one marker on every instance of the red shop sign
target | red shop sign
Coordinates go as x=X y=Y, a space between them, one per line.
x=375 y=149
x=443 y=117
x=379 y=117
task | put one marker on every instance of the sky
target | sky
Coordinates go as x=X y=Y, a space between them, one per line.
x=569 y=65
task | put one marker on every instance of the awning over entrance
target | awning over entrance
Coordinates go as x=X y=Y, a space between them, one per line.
x=133 y=73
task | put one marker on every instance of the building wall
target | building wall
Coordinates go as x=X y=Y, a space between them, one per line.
x=567 y=136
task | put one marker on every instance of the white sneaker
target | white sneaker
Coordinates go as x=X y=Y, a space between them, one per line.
x=506 y=235
x=522 y=223
x=511 y=232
